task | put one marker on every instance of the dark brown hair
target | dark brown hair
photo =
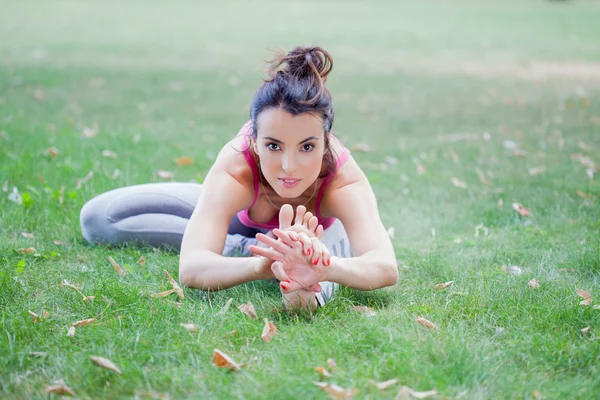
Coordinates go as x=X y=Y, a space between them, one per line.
x=296 y=84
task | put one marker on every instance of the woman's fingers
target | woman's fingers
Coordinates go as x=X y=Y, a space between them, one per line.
x=289 y=286
x=317 y=253
x=326 y=256
x=286 y=237
x=275 y=244
x=315 y=288
x=306 y=243
x=265 y=252
x=279 y=271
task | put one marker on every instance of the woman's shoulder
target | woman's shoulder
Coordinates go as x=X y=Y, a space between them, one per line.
x=233 y=159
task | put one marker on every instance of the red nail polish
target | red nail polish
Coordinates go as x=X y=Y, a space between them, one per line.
x=284 y=285
x=316 y=261
x=308 y=251
x=328 y=262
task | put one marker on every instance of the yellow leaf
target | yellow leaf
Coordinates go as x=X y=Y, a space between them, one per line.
x=383 y=385
x=222 y=360
x=324 y=373
x=185 y=160
x=83 y=322
x=36 y=317
x=59 y=387
x=116 y=266
x=268 y=331
x=441 y=286
x=248 y=309
x=105 y=363
x=534 y=283
x=426 y=323
x=190 y=327
x=28 y=250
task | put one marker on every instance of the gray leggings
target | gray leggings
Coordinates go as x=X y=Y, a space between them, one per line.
x=157 y=214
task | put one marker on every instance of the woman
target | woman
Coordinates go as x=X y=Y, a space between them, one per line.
x=285 y=157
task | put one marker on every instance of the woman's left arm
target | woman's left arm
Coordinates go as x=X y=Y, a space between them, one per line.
x=374 y=263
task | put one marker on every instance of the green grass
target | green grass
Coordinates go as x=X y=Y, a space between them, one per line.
x=407 y=76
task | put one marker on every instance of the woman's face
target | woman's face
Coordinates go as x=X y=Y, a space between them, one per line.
x=290 y=149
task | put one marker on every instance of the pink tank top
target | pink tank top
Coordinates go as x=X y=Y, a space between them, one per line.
x=243 y=216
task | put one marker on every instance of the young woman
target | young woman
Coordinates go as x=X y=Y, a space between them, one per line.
x=283 y=158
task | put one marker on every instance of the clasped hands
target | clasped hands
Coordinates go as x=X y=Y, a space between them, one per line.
x=299 y=258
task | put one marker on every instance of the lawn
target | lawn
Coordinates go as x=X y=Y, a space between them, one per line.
x=466 y=107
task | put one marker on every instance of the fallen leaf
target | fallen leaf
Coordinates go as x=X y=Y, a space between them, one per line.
x=534 y=283
x=500 y=203
x=336 y=392
x=105 y=363
x=28 y=250
x=582 y=293
x=426 y=323
x=185 y=160
x=225 y=307
x=89 y=298
x=83 y=322
x=39 y=354
x=362 y=148
x=585 y=330
x=221 y=359
x=109 y=154
x=142 y=260
x=421 y=169
x=367 y=311
x=521 y=210
x=116 y=266
x=324 y=373
x=391 y=232
x=584 y=195
x=458 y=183
x=164 y=294
x=248 y=309
x=482 y=177
x=36 y=317
x=331 y=363
x=454 y=156
x=27 y=235
x=83 y=180
x=441 y=286
x=268 y=331
x=90 y=132
x=584 y=160
x=536 y=171
x=165 y=174
x=177 y=304
x=190 y=327
x=514 y=270
x=71 y=331
x=422 y=395
x=52 y=152
x=59 y=243
x=590 y=173
x=383 y=385
x=175 y=286
x=59 y=387
x=45 y=314
x=38 y=94
x=586 y=302
x=537 y=394
x=116 y=173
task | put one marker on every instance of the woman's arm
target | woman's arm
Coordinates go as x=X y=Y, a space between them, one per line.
x=374 y=263
x=201 y=264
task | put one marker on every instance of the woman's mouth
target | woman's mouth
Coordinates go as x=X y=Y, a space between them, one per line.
x=289 y=183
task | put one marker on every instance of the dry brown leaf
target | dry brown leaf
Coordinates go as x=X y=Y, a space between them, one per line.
x=454 y=156
x=584 y=195
x=586 y=302
x=177 y=304
x=537 y=394
x=336 y=392
x=190 y=327
x=175 y=286
x=224 y=309
x=248 y=309
x=116 y=266
x=590 y=173
x=71 y=331
x=164 y=294
x=89 y=298
x=142 y=260
x=185 y=160
x=361 y=148
x=441 y=286
x=421 y=169
x=28 y=250
x=45 y=314
x=59 y=243
x=105 y=363
x=536 y=171
x=59 y=387
x=83 y=180
x=268 y=331
x=534 y=283
x=582 y=293
x=383 y=385
x=52 y=152
x=482 y=177
x=585 y=330
x=90 y=132
x=332 y=365
x=109 y=154
x=458 y=183
x=36 y=317
x=165 y=174
x=27 y=235
x=423 y=395
x=324 y=373
x=38 y=94
x=367 y=311
x=221 y=359
x=83 y=322
x=521 y=210
x=585 y=161
x=427 y=324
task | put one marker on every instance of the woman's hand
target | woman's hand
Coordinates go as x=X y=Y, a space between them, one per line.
x=295 y=267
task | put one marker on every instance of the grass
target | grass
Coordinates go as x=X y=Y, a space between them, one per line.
x=180 y=77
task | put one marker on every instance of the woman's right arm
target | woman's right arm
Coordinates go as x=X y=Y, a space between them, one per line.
x=201 y=264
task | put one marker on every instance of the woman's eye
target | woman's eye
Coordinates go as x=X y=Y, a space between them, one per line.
x=272 y=146
x=308 y=147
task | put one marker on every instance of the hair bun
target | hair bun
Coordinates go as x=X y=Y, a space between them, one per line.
x=303 y=63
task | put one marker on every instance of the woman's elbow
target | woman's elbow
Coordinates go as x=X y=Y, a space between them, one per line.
x=391 y=274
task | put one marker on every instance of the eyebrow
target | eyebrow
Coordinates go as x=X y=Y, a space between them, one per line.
x=279 y=141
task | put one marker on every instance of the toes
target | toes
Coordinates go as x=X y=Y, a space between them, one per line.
x=319 y=232
x=307 y=218
x=286 y=215
x=300 y=211
x=313 y=223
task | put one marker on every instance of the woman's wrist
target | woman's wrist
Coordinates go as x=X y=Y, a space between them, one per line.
x=262 y=268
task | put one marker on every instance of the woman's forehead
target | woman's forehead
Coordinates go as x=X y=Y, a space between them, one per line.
x=280 y=124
